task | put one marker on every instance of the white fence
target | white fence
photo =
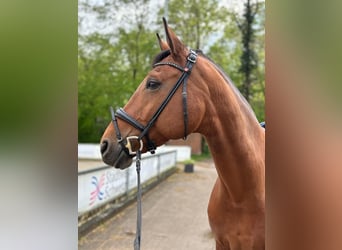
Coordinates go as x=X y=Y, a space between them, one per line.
x=100 y=185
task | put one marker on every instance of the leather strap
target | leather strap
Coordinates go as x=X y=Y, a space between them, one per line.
x=124 y=116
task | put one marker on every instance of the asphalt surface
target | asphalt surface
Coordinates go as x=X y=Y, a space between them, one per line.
x=174 y=216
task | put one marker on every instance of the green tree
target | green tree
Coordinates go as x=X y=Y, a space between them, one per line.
x=196 y=21
x=252 y=68
x=96 y=85
x=249 y=59
x=111 y=65
x=227 y=49
x=257 y=99
x=240 y=52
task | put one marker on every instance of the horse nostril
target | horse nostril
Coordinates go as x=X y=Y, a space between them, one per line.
x=104 y=146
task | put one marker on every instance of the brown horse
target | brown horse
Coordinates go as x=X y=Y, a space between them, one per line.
x=207 y=103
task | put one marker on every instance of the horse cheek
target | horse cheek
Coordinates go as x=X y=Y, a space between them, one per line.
x=174 y=129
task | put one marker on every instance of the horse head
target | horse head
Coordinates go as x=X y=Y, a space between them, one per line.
x=162 y=107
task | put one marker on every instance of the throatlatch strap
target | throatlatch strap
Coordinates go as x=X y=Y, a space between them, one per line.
x=185 y=108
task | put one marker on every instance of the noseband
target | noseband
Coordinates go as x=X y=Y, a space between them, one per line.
x=127 y=144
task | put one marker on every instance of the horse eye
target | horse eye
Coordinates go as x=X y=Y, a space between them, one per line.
x=152 y=84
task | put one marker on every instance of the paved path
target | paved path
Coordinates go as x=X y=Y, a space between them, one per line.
x=174 y=216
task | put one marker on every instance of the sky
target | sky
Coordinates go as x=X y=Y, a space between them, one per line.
x=89 y=22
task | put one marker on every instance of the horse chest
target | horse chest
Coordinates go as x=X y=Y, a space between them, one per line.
x=235 y=226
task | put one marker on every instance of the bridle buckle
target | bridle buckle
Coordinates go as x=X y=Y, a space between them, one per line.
x=131 y=146
x=192 y=57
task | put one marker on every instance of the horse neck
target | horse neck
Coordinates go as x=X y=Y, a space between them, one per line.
x=236 y=142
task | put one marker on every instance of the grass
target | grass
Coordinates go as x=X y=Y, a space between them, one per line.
x=201 y=157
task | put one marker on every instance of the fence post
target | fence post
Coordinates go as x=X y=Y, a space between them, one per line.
x=158 y=168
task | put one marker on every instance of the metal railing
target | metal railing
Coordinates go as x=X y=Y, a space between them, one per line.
x=105 y=185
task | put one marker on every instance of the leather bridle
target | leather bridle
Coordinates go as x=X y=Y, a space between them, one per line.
x=132 y=144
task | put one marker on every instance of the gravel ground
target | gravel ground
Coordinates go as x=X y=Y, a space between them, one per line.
x=174 y=216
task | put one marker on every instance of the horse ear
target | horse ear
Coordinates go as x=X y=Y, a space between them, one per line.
x=163 y=45
x=176 y=46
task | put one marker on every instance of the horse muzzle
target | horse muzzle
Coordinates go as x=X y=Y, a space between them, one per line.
x=113 y=154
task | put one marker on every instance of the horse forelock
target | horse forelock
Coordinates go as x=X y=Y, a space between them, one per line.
x=163 y=54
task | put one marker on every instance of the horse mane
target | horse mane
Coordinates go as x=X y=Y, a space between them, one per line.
x=228 y=81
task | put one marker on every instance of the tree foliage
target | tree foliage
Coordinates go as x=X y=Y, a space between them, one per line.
x=115 y=56
x=252 y=69
x=196 y=20
x=111 y=65
x=249 y=59
x=240 y=52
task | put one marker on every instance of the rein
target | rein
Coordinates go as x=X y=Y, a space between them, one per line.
x=139 y=221
x=133 y=145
